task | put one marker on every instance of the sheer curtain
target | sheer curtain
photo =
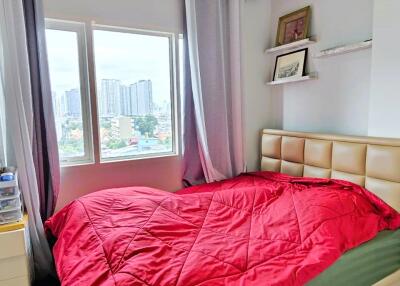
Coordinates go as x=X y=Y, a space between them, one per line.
x=3 y=158
x=16 y=83
x=215 y=104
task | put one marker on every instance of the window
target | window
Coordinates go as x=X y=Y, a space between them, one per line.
x=134 y=83
x=66 y=50
x=134 y=92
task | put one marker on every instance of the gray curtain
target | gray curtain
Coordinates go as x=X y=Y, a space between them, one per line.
x=26 y=91
x=192 y=168
x=44 y=145
x=213 y=115
x=3 y=141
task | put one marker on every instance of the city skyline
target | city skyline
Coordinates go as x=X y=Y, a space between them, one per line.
x=129 y=100
x=133 y=92
x=115 y=99
x=126 y=57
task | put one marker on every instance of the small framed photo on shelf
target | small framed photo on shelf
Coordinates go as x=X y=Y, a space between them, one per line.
x=290 y=65
x=293 y=27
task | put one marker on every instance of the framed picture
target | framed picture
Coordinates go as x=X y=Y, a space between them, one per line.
x=290 y=65
x=293 y=27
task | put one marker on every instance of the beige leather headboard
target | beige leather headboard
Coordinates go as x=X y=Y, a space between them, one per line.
x=373 y=163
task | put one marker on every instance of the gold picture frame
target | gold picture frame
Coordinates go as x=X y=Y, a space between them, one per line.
x=294 y=26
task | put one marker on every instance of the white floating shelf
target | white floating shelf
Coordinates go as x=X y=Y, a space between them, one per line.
x=291 y=46
x=292 y=80
x=344 y=49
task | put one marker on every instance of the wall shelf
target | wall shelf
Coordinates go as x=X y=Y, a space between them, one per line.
x=291 y=46
x=292 y=80
x=344 y=49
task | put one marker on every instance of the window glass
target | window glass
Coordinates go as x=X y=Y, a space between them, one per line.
x=63 y=58
x=134 y=92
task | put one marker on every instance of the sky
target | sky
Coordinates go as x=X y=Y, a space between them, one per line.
x=124 y=56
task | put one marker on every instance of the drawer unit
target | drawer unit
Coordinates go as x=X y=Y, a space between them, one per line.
x=13 y=267
x=8 y=192
x=10 y=202
x=12 y=243
x=10 y=216
x=14 y=254
x=19 y=281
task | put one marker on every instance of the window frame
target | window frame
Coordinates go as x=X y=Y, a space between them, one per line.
x=173 y=71
x=89 y=93
x=80 y=29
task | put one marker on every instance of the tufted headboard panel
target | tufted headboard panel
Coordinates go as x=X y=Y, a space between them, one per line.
x=373 y=163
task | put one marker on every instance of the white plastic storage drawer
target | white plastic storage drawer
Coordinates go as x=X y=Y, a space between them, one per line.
x=8 y=192
x=10 y=204
x=10 y=216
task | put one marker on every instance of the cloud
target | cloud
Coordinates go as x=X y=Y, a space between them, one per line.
x=118 y=55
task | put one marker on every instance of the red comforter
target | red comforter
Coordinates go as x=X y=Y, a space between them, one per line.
x=256 y=229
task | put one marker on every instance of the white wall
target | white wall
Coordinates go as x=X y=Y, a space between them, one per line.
x=338 y=101
x=259 y=104
x=165 y=15
x=384 y=119
x=164 y=173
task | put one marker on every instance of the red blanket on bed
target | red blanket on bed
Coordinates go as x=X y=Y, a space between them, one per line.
x=256 y=229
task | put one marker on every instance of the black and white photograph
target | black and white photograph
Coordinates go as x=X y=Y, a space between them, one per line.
x=290 y=65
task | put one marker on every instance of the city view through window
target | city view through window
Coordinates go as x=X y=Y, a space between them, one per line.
x=133 y=82
x=63 y=58
x=131 y=123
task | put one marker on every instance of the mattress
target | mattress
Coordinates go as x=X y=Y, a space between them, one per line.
x=366 y=264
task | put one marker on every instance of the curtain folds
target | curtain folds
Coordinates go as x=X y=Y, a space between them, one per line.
x=21 y=103
x=44 y=145
x=214 y=98
x=3 y=142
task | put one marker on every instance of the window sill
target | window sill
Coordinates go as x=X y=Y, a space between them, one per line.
x=120 y=160
x=138 y=158
x=76 y=163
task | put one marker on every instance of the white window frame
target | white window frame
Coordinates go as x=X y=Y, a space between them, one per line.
x=173 y=58
x=80 y=29
x=88 y=81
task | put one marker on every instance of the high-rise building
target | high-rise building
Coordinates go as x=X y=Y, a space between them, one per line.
x=145 y=97
x=121 y=128
x=125 y=101
x=117 y=99
x=60 y=106
x=56 y=104
x=110 y=98
x=73 y=100
x=134 y=98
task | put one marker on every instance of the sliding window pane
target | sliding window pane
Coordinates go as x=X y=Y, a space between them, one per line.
x=134 y=94
x=63 y=57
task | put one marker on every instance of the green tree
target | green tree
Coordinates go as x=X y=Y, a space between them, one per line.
x=146 y=124
x=116 y=144
x=106 y=124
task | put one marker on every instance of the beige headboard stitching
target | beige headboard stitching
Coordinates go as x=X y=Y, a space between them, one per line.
x=371 y=162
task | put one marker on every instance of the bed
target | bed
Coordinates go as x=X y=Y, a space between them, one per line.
x=304 y=219
x=373 y=163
